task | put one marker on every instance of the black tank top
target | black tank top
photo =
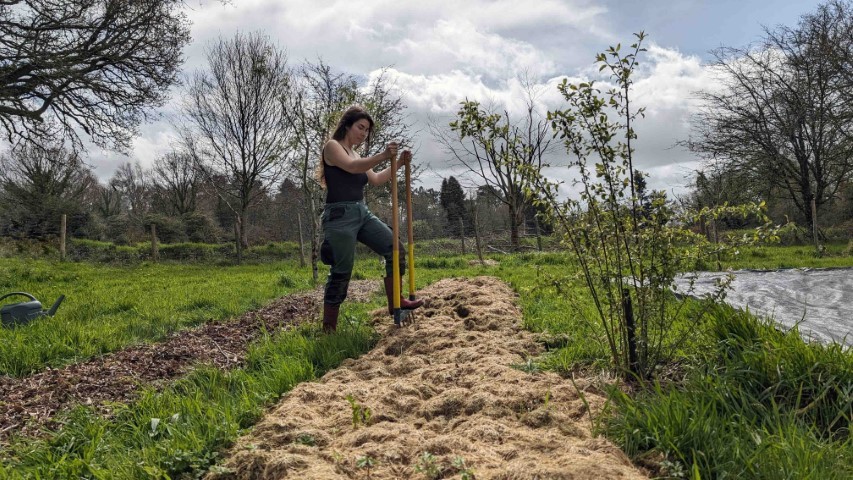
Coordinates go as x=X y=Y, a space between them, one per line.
x=342 y=186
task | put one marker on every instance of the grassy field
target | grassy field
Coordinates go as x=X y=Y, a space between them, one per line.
x=835 y=255
x=751 y=403
x=109 y=307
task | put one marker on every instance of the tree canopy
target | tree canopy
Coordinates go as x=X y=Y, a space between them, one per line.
x=98 y=66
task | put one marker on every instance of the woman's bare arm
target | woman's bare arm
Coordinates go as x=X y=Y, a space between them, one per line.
x=335 y=154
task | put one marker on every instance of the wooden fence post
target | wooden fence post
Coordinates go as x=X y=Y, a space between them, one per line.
x=62 y=238
x=155 y=250
x=814 y=226
x=462 y=234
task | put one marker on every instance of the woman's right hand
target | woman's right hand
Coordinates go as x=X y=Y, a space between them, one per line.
x=391 y=150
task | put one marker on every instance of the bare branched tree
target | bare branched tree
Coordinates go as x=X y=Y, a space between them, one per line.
x=236 y=117
x=132 y=184
x=496 y=148
x=316 y=96
x=780 y=118
x=386 y=107
x=106 y=201
x=177 y=182
x=97 y=65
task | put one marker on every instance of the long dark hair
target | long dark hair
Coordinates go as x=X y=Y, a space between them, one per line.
x=349 y=117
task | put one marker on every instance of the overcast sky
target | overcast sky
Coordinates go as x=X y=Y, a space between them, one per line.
x=439 y=52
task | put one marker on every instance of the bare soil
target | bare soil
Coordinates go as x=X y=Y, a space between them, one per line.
x=29 y=404
x=442 y=397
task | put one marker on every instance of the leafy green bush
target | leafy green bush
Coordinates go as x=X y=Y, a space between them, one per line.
x=168 y=229
x=629 y=244
x=200 y=228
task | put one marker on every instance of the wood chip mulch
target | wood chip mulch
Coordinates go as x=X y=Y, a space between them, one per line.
x=29 y=404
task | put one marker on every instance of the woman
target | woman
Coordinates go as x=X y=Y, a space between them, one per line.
x=346 y=218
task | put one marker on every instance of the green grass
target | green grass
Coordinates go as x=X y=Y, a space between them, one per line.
x=755 y=403
x=110 y=307
x=178 y=432
x=776 y=257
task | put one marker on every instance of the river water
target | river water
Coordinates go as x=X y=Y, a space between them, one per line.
x=820 y=300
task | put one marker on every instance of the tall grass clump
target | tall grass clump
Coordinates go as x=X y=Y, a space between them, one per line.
x=758 y=404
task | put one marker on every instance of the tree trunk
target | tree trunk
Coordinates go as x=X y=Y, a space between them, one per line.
x=244 y=237
x=513 y=228
x=237 y=242
x=814 y=225
x=806 y=192
x=314 y=233
x=301 y=240
x=630 y=332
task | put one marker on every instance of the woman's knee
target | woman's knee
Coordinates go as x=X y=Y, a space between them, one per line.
x=337 y=285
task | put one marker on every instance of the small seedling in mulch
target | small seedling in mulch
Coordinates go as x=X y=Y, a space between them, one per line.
x=466 y=472
x=360 y=413
x=673 y=469
x=528 y=366
x=429 y=466
x=365 y=462
x=547 y=402
x=306 y=439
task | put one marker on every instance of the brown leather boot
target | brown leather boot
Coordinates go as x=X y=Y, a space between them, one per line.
x=330 y=317
x=404 y=304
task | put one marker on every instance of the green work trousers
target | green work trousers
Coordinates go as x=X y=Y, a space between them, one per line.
x=344 y=223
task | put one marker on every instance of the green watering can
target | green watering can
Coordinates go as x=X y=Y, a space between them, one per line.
x=25 y=312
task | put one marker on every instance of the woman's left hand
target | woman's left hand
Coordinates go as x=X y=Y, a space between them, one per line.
x=405 y=157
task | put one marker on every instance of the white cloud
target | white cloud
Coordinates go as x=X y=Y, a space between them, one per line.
x=458 y=43
x=421 y=37
x=445 y=51
x=665 y=85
